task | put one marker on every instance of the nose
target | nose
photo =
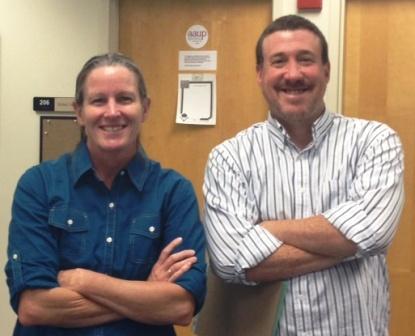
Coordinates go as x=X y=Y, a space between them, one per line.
x=293 y=70
x=112 y=108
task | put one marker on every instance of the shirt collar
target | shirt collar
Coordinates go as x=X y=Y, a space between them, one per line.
x=322 y=125
x=81 y=162
x=319 y=128
x=137 y=169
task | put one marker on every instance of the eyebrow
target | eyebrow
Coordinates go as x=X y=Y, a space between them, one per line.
x=299 y=53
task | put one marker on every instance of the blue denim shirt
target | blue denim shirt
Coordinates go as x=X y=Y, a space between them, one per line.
x=64 y=217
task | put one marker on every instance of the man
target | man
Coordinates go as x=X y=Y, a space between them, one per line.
x=308 y=196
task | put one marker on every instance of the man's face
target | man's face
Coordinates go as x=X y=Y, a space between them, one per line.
x=293 y=77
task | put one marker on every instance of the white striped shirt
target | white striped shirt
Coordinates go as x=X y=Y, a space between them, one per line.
x=352 y=174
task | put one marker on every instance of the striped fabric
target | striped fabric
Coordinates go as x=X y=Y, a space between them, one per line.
x=351 y=173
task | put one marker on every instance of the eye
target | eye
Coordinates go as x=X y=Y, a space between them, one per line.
x=125 y=99
x=306 y=62
x=97 y=101
x=278 y=62
x=306 y=59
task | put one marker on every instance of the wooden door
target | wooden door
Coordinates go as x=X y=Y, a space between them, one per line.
x=380 y=84
x=152 y=32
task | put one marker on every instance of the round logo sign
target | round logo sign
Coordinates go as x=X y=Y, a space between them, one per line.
x=197 y=36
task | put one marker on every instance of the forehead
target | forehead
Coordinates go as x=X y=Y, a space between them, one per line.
x=291 y=41
x=110 y=76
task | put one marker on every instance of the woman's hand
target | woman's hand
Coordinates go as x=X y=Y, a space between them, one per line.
x=170 y=266
x=74 y=279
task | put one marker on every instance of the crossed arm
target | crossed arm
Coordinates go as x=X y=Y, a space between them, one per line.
x=245 y=248
x=284 y=248
x=87 y=298
x=310 y=244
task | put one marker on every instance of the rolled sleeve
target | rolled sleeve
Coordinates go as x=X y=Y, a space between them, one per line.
x=371 y=216
x=194 y=281
x=32 y=261
x=235 y=240
x=250 y=252
x=183 y=220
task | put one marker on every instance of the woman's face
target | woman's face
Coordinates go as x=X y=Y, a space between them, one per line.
x=112 y=111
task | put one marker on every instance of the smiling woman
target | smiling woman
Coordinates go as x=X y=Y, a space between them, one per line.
x=97 y=239
x=111 y=113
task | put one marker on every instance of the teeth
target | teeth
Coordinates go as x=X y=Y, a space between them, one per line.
x=112 y=128
x=298 y=91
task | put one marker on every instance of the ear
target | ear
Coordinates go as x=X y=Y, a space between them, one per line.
x=259 y=73
x=327 y=70
x=146 y=108
x=78 y=112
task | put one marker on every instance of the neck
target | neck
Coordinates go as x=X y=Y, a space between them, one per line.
x=108 y=165
x=299 y=131
x=301 y=137
x=300 y=128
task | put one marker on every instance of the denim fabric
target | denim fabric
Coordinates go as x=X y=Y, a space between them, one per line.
x=64 y=217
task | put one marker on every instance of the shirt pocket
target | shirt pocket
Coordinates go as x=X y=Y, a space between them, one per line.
x=71 y=226
x=144 y=240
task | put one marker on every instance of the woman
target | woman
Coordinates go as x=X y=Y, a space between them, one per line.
x=103 y=240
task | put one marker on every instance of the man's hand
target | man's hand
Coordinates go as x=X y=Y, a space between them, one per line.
x=170 y=266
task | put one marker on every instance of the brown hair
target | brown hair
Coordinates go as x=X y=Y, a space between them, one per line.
x=107 y=60
x=291 y=22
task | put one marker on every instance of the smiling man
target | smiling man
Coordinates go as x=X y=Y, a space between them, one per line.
x=308 y=196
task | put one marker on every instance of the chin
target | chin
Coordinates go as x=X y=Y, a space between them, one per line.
x=112 y=146
x=290 y=114
x=120 y=147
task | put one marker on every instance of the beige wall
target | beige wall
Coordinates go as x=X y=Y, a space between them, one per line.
x=43 y=44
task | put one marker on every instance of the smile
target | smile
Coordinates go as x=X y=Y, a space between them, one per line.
x=112 y=128
x=294 y=91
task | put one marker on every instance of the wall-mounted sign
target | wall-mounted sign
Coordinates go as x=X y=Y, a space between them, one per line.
x=197 y=36
x=198 y=60
x=53 y=104
x=196 y=99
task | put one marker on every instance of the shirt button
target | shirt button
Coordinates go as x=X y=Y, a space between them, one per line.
x=69 y=221
x=15 y=256
x=151 y=229
x=111 y=205
x=109 y=240
x=122 y=172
